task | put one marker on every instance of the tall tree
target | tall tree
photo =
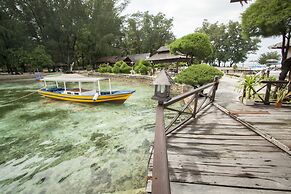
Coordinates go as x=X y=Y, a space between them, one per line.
x=229 y=44
x=218 y=36
x=196 y=45
x=270 y=18
x=238 y=46
x=70 y=30
x=144 y=32
x=13 y=38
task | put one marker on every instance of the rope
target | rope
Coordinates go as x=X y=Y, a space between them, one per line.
x=4 y=104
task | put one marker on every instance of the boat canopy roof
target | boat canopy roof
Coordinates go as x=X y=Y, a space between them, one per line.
x=72 y=78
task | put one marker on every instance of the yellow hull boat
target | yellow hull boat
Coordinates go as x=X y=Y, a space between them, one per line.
x=81 y=95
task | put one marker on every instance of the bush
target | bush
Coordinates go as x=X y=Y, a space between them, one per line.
x=121 y=67
x=234 y=67
x=142 y=67
x=124 y=68
x=198 y=75
x=115 y=69
x=105 y=68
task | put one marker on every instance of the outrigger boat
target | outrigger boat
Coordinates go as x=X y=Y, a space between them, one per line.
x=81 y=95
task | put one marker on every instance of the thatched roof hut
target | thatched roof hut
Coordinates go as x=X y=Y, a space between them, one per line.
x=163 y=55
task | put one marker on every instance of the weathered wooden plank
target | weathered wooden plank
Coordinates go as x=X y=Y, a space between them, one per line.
x=267 y=171
x=263 y=166
x=232 y=148
x=257 y=130
x=185 y=188
x=214 y=132
x=214 y=136
x=194 y=141
x=236 y=180
x=271 y=161
x=217 y=131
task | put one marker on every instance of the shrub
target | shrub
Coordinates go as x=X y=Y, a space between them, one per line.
x=144 y=70
x=115 y=69
x=234 y=67
x=124 y=68
x=105 y=68
x=160 y=66
x=121 y=67
x=142 y=67
x=198 y=75
x=248 y=84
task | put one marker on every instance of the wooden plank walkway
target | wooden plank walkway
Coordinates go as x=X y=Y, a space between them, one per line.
x=217 y=154
x=274 y=122
x=271 y=121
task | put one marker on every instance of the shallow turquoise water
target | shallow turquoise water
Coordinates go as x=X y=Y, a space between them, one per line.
x=49 y=146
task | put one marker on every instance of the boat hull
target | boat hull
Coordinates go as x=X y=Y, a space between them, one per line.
x=113 y=98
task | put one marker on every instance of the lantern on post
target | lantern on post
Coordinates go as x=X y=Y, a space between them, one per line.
x=162 y=87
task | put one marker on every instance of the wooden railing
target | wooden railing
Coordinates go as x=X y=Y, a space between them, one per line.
x=268 y=85
x=194 y=101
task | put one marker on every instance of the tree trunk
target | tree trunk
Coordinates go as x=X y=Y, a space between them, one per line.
x=23 y=68
x=286 y=64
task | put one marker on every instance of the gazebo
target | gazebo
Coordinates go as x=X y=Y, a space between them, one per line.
x=163 y=55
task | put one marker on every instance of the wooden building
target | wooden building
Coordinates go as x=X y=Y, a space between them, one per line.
x=163 y=55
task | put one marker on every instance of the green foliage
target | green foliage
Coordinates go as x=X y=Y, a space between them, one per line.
x=196 y=45
x=198 y=75
x=229 y=45
x=146 y=33
x=234 y=67
x=105 y=68
x=70 y=30
x=124 y=68
x=78 y=31
x=282 y=93
x=38 y=58
x=121 y=67
x=247 y=85
x=160 y=65
x=269 y=55
x=270 y=78
x=267 y=18
x=142 y=67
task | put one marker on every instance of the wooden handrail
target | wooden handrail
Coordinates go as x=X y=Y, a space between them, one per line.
x=275 y=82
x=161 y=181
x=160 y=176
x=267 y=85
x=187 y=94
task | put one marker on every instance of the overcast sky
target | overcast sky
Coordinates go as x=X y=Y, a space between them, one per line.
x=189 y=15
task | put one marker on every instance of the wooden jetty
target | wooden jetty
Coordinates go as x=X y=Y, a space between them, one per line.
x=221 y=150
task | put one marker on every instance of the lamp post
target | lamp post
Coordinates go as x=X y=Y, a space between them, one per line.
x=162 y=85
x=161 y=182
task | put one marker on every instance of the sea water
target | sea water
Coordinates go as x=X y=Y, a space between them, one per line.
x=49 y=146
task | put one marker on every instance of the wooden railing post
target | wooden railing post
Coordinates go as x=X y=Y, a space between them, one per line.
x=160 y=177
x=215 y=87
x=267 y=95
x=195 y=104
